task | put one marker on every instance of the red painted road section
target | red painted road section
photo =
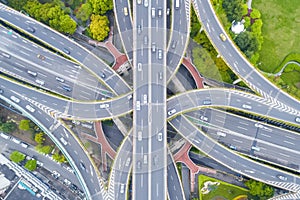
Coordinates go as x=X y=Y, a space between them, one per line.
x=120 y=58
x=183 y=156
x=101 y=139
x=193 y=71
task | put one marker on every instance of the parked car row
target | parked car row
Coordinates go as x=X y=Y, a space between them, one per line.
x=13 y=139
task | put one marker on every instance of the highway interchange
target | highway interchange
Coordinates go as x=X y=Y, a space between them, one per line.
x=97 y=93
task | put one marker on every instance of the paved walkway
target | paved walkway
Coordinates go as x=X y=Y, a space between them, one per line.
x=100 y=138
x=183 y=156
x=282 y=69
x=120 y=58
x=193 y=71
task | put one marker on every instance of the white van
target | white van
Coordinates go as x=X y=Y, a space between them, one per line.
x=5 y=136
x=145 y=159
x=177 y=4
x=140 y=136
x=15 y=99
x=31 y=109
x=125 y=9
x=15 y=140
x=138 y=105
x=122 y=188
x=23 y=144
x=219 y=133
x=153 y=12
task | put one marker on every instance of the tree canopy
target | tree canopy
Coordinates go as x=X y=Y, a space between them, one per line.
x=8 y=127
x=51 y=14
x=39 y=138
x=24 y=125
x=84 y=12
x=233 y=9
x=100 y=7
x=30 y=165
x=16 y=156
x=259 y=189
x=247 y=43
x=99 y=27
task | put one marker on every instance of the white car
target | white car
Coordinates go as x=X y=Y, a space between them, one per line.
x=41 y=82
x=222 y=134
x=145 y=98
x=127 y=162
x=159 y=137
x=104 y=105
x=140 y=135
x=246 y=106
x=60 y=79
x=139 y=1
x=146 y=3
x=258 y=125
x=31 y=109
x=139 y=66
x=281 y=177
x=170 y=112
x=203 y=118
x=297 y=119
x=15 y=99
x=63 y=141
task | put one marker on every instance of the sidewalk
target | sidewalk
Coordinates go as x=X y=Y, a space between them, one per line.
x=100 y=138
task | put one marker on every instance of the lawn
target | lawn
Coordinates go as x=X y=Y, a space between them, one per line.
x=225 y=190
x=281 y=26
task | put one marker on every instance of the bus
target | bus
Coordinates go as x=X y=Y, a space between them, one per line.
x=177 y=4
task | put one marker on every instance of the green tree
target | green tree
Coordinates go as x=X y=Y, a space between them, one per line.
x=247 y=43
x=244 y=9
x=99 y=27
x=204 y=62
x=233 y=9
x=67 y=24
x=17 y=4
x=30 y=165
x=247 y=22
x=39 y=138
x=24 y=125
x=43 y=149
x=259 y=189
x=101 y=6
x=84 y=12
x=256 y=27
x=255 y=14
x=16 y=156
x=8 y=127
x=57 y=156
x=195 y=24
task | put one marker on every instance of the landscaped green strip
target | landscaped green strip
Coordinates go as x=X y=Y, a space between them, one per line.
x=225 y=190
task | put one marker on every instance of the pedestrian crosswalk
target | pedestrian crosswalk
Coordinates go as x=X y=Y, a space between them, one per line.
x=286 y=185
x=288 y=196
x=187 y=4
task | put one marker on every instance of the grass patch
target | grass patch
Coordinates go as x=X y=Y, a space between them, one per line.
x=281 y=22
x=225 y=190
